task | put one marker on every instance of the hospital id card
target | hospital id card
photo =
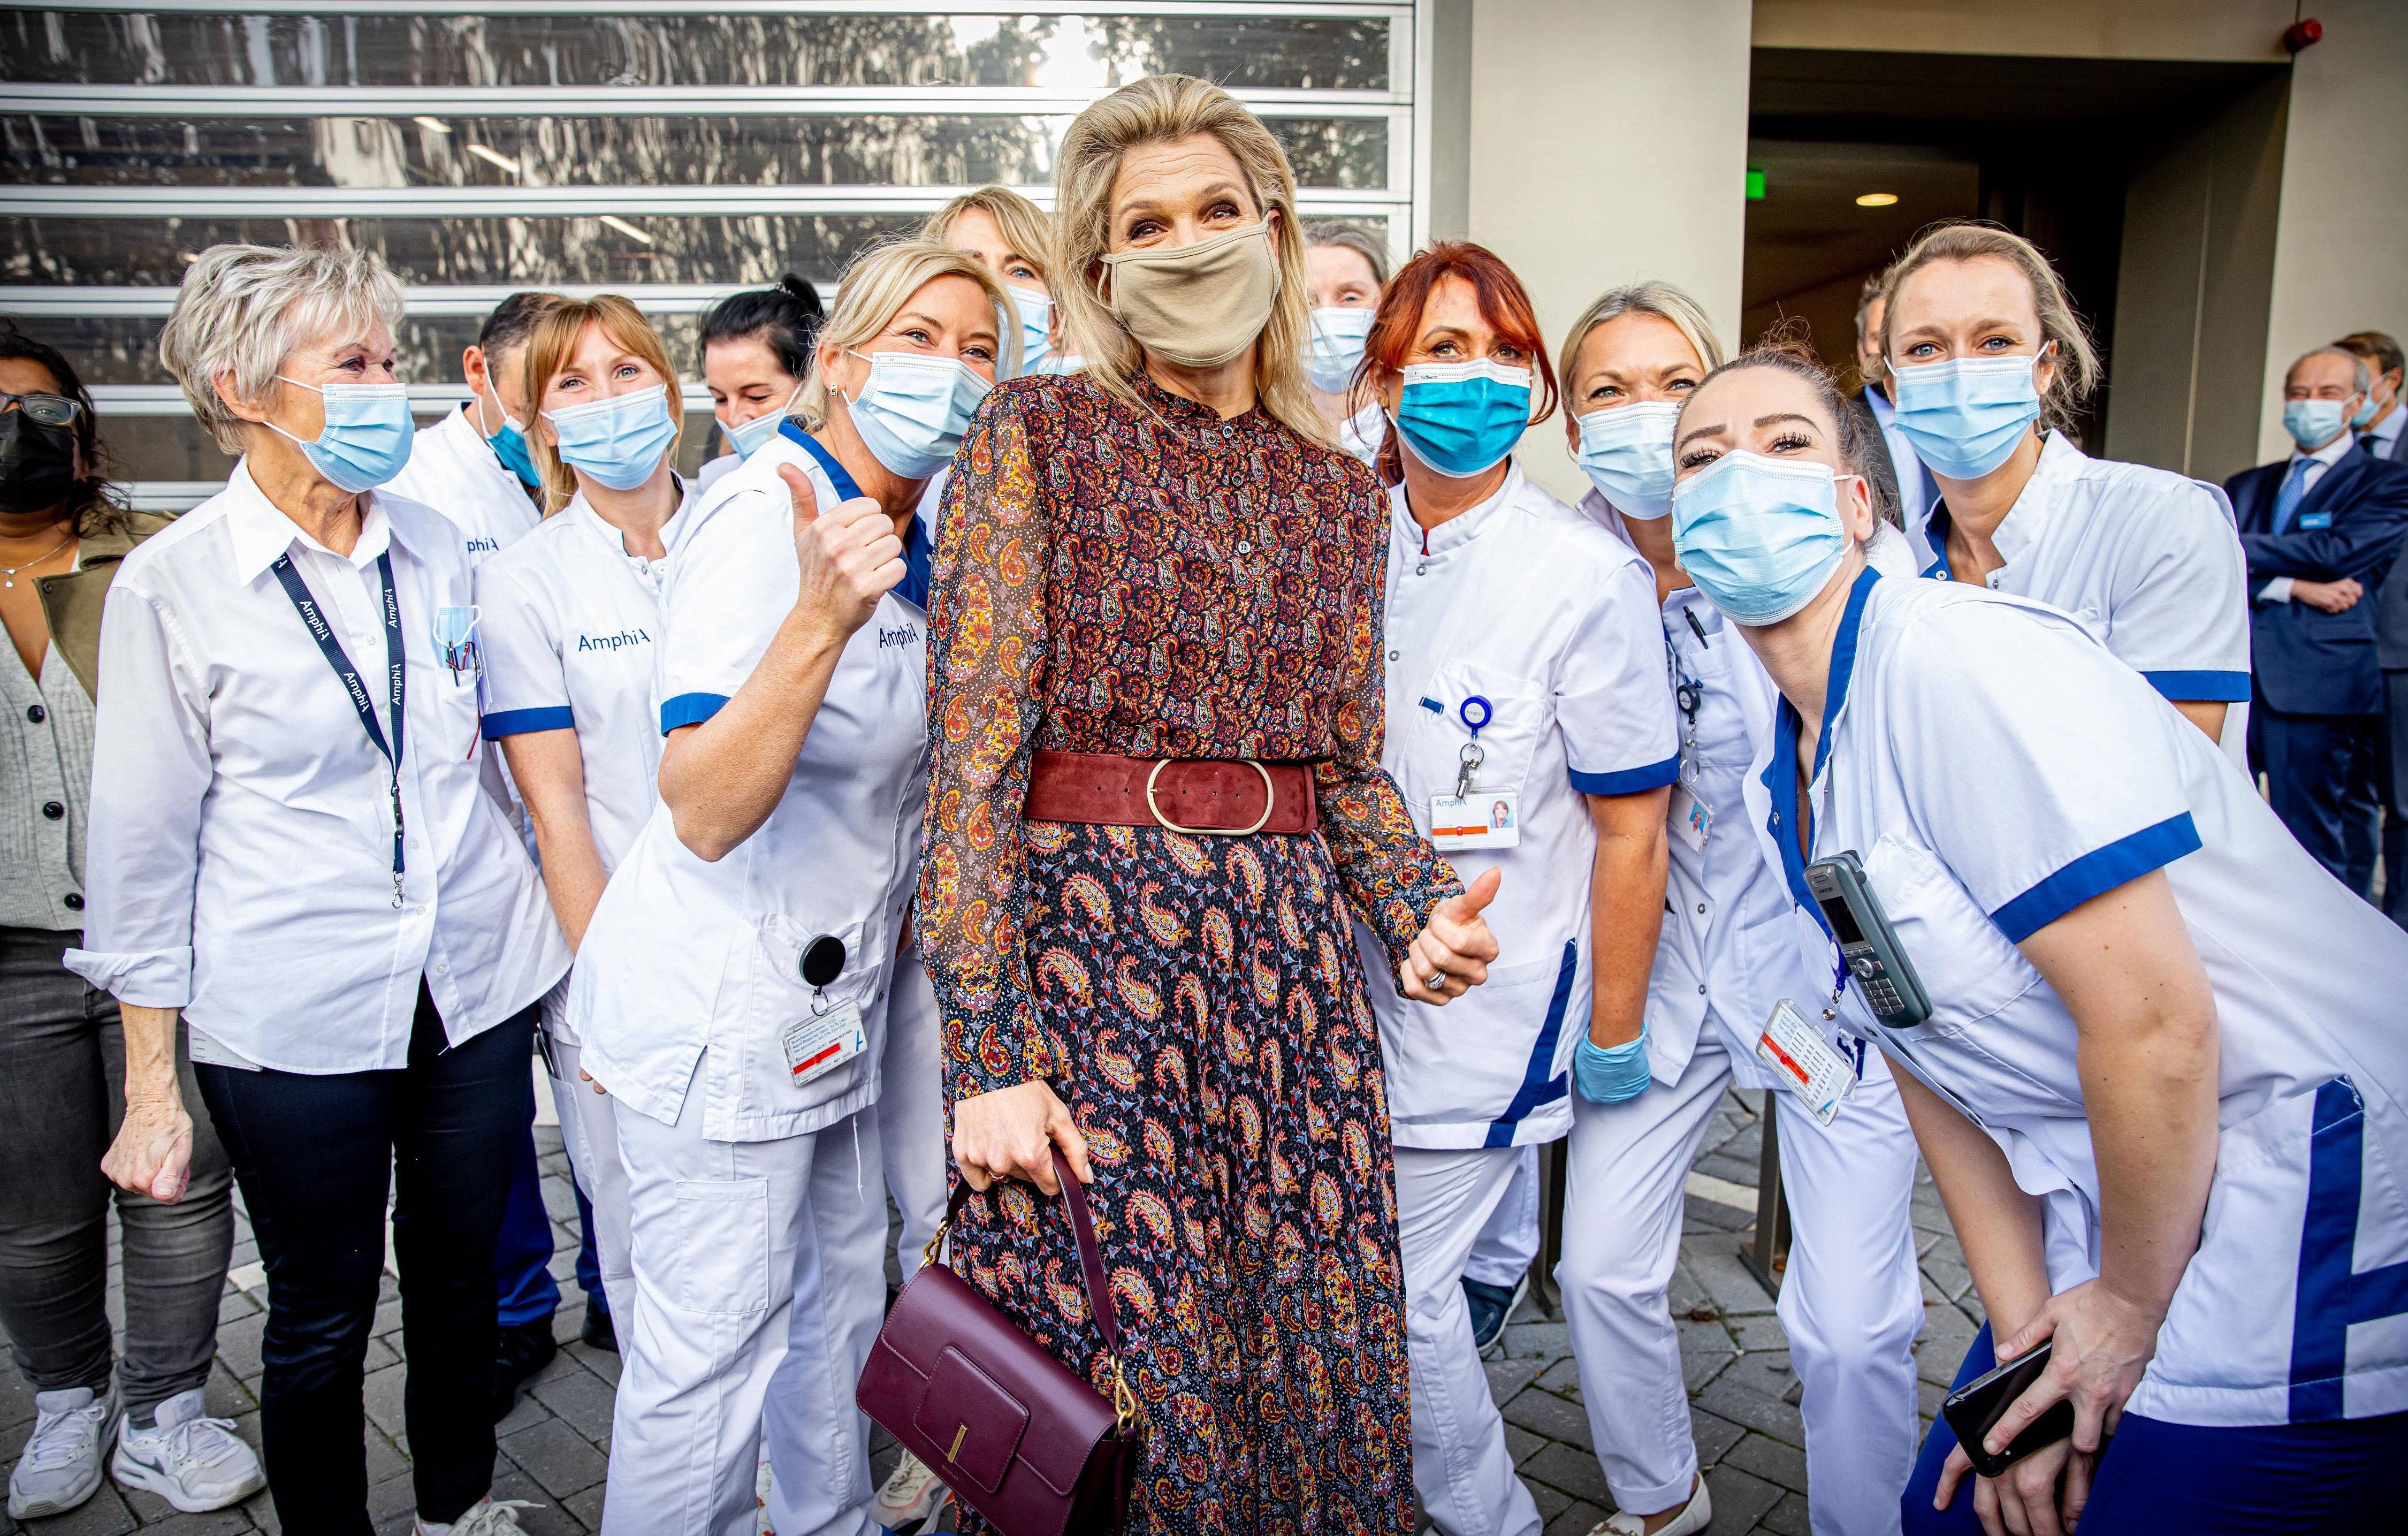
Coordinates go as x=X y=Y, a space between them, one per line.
x=1814 y=1066
x=822 y=1042
x=1690 y=819
x=1483 y=818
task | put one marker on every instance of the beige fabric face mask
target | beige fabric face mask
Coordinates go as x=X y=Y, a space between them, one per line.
x=1199 y=305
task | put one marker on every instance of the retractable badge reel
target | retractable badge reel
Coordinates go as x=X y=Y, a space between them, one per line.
x=830 y=1036
x=1473 y=817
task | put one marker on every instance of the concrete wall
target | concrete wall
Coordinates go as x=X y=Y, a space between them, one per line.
x=2194 y=283
x=2341 y=251
x=1608 y=143
x=2238 y=30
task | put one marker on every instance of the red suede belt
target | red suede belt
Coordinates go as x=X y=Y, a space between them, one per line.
x=1218 y=795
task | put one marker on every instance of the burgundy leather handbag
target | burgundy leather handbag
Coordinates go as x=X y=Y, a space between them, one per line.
x=1017 y=1435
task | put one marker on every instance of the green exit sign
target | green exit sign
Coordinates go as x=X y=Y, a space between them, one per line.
x=1754 y=185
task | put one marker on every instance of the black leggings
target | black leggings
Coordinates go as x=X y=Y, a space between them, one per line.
x=310 y=1153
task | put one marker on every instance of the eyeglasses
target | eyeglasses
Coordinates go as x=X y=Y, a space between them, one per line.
x=49 y=409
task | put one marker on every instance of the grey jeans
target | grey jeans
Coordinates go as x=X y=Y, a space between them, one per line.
x=62 y=1094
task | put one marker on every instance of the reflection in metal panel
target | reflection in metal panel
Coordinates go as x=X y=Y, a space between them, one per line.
x=674 y=154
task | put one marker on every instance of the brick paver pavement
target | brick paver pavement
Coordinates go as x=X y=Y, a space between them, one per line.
x=554 y=1447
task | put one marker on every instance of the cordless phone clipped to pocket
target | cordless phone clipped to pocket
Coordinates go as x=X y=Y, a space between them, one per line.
x=1868 y=946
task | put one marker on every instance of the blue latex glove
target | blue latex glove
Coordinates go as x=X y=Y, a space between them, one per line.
x=1612 y=1074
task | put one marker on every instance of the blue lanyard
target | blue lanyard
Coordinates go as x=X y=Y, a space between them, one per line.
x=314 y=619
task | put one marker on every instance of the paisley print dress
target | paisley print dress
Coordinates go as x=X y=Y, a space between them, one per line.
x=1160 y=583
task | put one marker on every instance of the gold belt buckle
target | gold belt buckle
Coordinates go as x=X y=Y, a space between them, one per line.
x=1269 y=797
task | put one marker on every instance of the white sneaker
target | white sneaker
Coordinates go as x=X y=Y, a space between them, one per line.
x=487 y=1516
x=911 y=1494
x=61 y=1467
x=1695 y=1516
x=194 y=1462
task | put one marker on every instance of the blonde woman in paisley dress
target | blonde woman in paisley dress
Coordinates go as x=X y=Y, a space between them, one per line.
x=1156 y=814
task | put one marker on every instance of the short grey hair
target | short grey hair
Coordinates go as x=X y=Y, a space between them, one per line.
x=1353 y=238
x=2359 y=370
x=244 y=308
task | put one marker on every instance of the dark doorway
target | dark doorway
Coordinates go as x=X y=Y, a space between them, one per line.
x=2045 y=147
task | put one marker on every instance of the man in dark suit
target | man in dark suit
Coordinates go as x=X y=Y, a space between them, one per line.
x=2321 y=530
x=2380 y=435
x=1909 y=486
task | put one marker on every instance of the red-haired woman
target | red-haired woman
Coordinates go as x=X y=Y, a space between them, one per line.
x=1531 y=727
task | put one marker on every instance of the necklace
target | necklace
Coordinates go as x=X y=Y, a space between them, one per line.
x=8 y=573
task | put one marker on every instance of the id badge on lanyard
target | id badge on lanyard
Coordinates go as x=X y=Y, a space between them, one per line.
x=1691 y=819
x=1473 y=817
x=1820 y=1066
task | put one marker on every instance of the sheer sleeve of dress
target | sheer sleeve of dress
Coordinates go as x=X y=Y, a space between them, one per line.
x=990 y=654
x=1391 y=874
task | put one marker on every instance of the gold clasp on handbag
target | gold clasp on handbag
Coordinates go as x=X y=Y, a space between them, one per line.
x=936 y=1241
x=1269 y=797
x=1124 y=1415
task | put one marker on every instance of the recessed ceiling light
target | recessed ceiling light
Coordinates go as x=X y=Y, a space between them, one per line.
x=624 y=227
x=506 y=163
x=433 y=125
x=1876 y=199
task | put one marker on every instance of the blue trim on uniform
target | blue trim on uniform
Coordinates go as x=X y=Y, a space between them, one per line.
x=1538 y=1087
x=1629 y=780
x=2202 y=687
x=2100 y=870
x=2333 y=1294
x=1935 y=533
x=1843 y=665
x=553 y=717
x=690 y=709
x=913 y=588
x=1780 y=776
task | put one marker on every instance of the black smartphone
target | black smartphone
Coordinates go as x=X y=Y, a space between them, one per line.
x=1974 y=1408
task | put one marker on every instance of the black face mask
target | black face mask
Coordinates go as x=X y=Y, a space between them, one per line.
x=37 y=462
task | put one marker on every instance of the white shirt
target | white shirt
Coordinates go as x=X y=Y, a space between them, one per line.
x=2278 y=588
x=1521 y=603
x=689 y=963
x=712 y=469
x=240 y=865
x=2149 y=560
x=1913 y=485
x=1725 y=955
x=453 y=470
x=572 y=634
x=1362 y=433
x=1994 y=769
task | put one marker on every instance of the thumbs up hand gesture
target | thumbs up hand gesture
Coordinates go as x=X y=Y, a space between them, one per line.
x=850 y=555
x=1451 y=955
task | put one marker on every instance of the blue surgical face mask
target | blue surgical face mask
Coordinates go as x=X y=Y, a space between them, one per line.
x=913 y=409
x=1036 y=329
x=1626 y=452
x=367 y=436
x=1967 y=416
x=2366 y=413
x=1760 y=537
x=745 y=437
x=2312 y=424
x=1463 y=418
x=618 y=441
x=509 y=445
x=1337 y=352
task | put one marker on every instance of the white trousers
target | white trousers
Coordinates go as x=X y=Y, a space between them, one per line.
x=1850 y=1301
x=1501 y=1254
x=589 y=1129
x=760 y=1283
x=912 y=1108
x=1461 y=1466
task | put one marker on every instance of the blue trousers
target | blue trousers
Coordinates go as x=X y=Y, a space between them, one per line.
x=2320 y=779
x=525 y=1291
x=2343 y=1476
